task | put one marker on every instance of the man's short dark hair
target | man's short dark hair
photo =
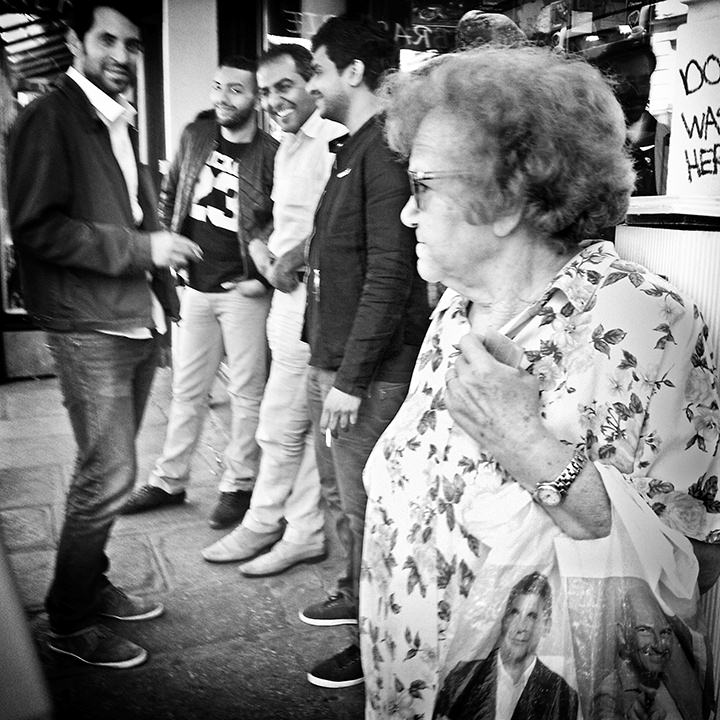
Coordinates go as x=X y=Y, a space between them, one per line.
x=300 y=55
x=346 y=39
x=533 y=584
x=82 y=13
x=239 y=62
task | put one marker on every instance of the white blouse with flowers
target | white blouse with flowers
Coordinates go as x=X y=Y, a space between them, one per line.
x=625 y=372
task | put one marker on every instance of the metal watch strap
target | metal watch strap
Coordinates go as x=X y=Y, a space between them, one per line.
x=568 y=476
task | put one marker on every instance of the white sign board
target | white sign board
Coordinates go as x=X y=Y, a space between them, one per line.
x=694 y=163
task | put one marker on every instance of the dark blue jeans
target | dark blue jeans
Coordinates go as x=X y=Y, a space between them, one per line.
x=105 y=382
x=341 y=466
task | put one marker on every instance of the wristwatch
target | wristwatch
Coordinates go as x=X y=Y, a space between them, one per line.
x=553 y=492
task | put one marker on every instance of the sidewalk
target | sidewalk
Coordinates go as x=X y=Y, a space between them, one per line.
x=227 y=647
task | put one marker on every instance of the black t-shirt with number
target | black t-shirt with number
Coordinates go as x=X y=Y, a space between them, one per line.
x=213 y=219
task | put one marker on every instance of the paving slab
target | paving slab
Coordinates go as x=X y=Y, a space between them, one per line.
x=27 y=528
x=33 y=572
x=34 y=485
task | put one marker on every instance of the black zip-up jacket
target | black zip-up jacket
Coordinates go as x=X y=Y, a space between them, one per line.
x=197 y=141
x=83 y=263
x=367 y=308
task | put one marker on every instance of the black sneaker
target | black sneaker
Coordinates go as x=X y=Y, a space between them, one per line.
x=230 y=509
x=96 y=645
x=339 y=671
x=336 y=610
x=149 y=497
x=116 y=603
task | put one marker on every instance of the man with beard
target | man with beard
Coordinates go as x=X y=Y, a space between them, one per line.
x=365 y=319
x=512 y=683
x=217 y=192
x=94 y=267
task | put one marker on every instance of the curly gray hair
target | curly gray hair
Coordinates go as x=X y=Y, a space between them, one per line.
x=544 y=132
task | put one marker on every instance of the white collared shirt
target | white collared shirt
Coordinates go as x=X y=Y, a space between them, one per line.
x=302 y=167
x=118 y=115
x=508 y=692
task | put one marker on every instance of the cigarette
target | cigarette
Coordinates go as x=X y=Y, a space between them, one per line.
x=328 y=437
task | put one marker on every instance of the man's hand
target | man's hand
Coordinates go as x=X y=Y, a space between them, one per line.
x=283 y=274
x=169 y=249
x=261 y=256
x=340 y=411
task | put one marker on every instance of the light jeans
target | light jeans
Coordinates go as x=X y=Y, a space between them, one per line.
x=213 y=325
x=287 y=484
x=105 y=382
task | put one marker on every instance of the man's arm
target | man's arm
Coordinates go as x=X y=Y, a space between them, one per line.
x=390 y=259
x=40 y=199
x=390 y=262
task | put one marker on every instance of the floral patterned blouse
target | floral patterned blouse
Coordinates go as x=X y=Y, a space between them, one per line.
x=625 y=372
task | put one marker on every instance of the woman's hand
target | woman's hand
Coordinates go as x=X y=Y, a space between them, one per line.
x=490 y=399
x=498 y=406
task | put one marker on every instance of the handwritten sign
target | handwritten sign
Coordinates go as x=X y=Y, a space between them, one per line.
x=694 y=164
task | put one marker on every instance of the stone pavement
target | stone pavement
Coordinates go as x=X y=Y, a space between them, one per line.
x=228 y=647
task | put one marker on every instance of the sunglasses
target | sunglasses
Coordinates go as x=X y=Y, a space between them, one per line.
x=418 y=184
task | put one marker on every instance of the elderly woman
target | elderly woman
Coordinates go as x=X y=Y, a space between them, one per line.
x=562 y=418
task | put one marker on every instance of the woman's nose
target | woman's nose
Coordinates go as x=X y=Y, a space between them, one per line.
x=409 y=214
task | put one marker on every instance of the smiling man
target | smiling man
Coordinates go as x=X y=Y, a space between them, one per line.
x=218 y=192
x=638 y=686
x=93 y=262
x=287 y=484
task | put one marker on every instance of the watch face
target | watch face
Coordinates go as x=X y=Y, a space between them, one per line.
x=548 y=495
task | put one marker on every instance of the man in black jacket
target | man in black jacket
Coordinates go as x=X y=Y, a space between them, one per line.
x=82 y=214
x=367 y=308
x=512 y=682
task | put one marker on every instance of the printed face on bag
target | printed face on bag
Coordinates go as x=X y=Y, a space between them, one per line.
x=523 y=627
x=648 y=637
